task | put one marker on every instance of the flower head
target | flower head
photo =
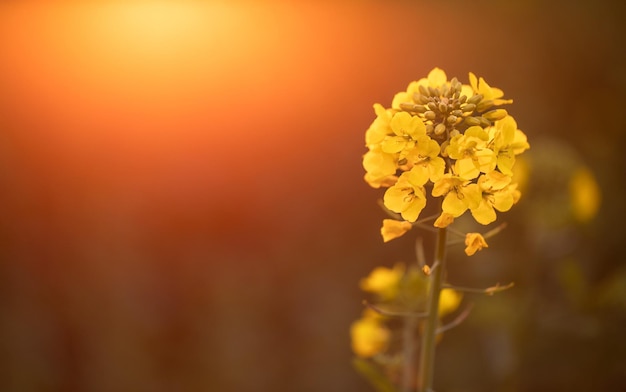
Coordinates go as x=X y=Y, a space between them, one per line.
x=448 y=136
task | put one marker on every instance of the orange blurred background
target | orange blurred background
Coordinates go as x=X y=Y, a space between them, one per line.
x=182 y=204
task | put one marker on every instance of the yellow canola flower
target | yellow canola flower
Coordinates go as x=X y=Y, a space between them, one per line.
x=383 y=281
x=380 y=168
x=507 y=141
x=474 y=242
x=406 y=130
x=369 y=337
x=497 y=193
x=380 y=127
x=436 y=78
x=585 y=195
x=489 y=93
x=407 y=197
x=449 y=301
x=471 y=153
x=393 y=229
x=425 y=157
x=459 y=193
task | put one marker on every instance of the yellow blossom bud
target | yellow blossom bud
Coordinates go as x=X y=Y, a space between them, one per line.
x=457 y=112
x=430 y=115
x=468 y=107
x=475 y=99
x=462 y=99
x=451 y=119
x=434 y=92
x=424 y=91
x=484 y=105
x=432 y=106
x=472 y=121
x=496 y=114
x=443 y=107
x=440 y=129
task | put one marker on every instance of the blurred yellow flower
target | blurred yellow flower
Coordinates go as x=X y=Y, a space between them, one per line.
x=383 y=281
x=585 y=195
x=406 y=130
x=474 y=242
x=393 y=229
x=449 y=301
x=369 y=336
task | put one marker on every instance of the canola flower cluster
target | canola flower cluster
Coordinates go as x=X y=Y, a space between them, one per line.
x=449 y=140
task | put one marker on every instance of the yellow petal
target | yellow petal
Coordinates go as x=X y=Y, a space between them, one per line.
x=454 y=205
x=437 y=77
x=444 y=220
x=393 y=229
x=484 y=213
x=474 y=242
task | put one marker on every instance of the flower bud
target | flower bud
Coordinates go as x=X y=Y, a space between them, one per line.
x=440 y=129
x=430 y=115
x=424 y=91
x=484 y=105
x=475 y=99
x=451 y=119
x=443 y=107
x=457 y=113
x=468 y=107
x=432 y=106
x=496 y=114
x=471 y=121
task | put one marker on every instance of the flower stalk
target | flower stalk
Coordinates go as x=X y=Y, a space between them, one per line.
x=450 y=143
x=429 y=336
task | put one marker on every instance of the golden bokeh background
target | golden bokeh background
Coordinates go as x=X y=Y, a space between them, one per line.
x=182 y=205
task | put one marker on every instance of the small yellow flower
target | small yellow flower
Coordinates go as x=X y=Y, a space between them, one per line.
x=474 y=242
x=436 y=79
x=585 y=195
x=489 y=93
x=449 y=301
x=407 y=196
x=380 y=168
x=497 y=193
x=425 y=157
x=369 y=336
x=459 y=193
x=471 y=153
x=507 y=141
x=379 y=128
x=383 y=281
x=406 y=130
x=393 y=229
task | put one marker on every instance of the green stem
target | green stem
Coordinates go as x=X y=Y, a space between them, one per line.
x=410 y=326
x=427 y=352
